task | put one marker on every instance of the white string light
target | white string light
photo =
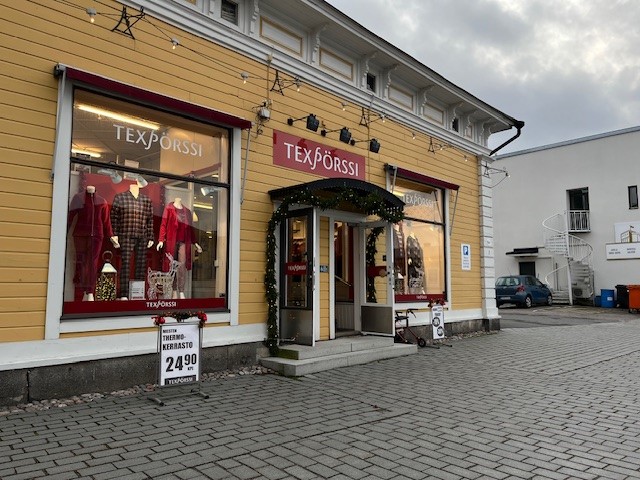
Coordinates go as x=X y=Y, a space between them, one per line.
x=92 y=14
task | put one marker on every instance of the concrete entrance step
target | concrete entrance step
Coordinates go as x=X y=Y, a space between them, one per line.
x=298 y=360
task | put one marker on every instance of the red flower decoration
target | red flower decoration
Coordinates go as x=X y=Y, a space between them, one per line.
x=181 y=317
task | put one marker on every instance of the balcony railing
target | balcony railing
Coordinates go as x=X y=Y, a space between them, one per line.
x=578 y=221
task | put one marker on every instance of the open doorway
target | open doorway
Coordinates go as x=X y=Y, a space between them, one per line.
x=343 y=268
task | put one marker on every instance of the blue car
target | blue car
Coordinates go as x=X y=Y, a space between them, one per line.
x=522 y=290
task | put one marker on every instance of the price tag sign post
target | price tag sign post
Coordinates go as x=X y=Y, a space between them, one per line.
x=437 y=323
x=179 y=352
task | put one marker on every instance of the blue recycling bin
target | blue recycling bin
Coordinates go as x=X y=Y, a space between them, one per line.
x=607 y=298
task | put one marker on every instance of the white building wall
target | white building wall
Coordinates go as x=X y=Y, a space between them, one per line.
x=537 y=188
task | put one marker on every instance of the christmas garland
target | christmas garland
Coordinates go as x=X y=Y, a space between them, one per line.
x=371 y=204
x=180 y=317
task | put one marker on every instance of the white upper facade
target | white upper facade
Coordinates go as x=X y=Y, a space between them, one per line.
x=315 y=42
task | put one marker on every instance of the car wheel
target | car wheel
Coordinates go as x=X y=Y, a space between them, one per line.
x=549 y=300
x=528 y=302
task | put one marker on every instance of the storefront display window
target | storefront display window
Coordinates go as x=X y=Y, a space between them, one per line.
x=148 y=210
x=419 y=244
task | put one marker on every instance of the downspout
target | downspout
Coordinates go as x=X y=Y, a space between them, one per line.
x=486 y=321
x=519 y=124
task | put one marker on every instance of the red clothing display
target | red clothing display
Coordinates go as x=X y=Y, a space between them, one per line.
x=92 y=214
x=176 y=222
x=89 y=219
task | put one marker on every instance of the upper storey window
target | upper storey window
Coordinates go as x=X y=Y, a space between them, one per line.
x=229 y=11
x=371 y=82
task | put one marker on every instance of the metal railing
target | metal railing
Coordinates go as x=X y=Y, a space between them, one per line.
x=560 y=242
x=578 y=221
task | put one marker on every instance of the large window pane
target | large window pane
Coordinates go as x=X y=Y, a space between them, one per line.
x=419 y=244
x=148 y=210
x=120 y=133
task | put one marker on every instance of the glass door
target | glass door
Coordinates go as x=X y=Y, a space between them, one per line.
x=296 y=280
x=377 y=291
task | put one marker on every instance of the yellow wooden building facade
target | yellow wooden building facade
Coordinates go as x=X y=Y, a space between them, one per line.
x=230 y=91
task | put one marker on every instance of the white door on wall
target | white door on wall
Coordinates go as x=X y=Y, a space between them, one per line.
x=376 y=291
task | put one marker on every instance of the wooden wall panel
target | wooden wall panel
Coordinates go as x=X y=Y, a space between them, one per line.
x=36 y=35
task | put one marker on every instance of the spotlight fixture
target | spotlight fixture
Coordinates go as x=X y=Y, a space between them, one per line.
x=115 y=176
x=174 y=43
x=374 y=145
x=312 y=122
x=92 y=14
x=140 y=180
x=208 y=190
x=345 y=134
x=244 y=76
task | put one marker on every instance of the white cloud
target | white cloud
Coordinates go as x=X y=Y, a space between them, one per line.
x=567 y=68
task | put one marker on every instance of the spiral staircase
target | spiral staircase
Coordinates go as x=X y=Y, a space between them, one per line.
x=573 y=279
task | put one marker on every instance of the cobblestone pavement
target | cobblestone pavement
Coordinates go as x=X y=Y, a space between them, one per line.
x=544 y=403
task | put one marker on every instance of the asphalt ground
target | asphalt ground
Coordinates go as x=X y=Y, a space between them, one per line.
x=551 y=402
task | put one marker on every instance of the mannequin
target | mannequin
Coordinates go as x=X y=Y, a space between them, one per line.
x=89 y=223
x=415 y=265
x=399 y=260
x=132 y=220
x=177 y=232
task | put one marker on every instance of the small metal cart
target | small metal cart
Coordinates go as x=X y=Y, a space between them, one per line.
x=402 y=328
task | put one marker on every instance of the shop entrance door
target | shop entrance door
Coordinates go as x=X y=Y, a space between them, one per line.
x=296 y=279
x=376 y=293
x=344 y=279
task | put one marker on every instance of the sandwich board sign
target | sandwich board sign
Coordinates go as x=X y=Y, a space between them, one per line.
x=179 y=345
x=437 y=322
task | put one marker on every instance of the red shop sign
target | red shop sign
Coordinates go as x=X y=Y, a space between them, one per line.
x=295 y=268
x=311 y=157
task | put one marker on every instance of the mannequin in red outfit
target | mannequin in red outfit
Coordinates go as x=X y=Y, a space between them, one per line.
x=89 y=223
x=178 y=235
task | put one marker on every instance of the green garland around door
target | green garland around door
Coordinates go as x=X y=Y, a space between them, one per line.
x=371 y=204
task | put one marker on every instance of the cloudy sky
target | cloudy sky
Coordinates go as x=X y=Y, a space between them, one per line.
x=567 y=68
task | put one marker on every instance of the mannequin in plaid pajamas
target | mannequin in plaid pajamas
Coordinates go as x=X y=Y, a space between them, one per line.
x=132 y=222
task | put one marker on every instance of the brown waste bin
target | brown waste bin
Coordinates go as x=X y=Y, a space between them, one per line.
x=634 y=297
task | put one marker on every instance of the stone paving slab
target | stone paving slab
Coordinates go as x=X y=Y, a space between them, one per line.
x=544 y=403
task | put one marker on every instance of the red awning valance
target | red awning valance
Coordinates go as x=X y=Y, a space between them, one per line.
x=140 y=95
x=420 y=178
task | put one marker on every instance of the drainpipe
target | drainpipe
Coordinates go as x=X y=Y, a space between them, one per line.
x=519 y=124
